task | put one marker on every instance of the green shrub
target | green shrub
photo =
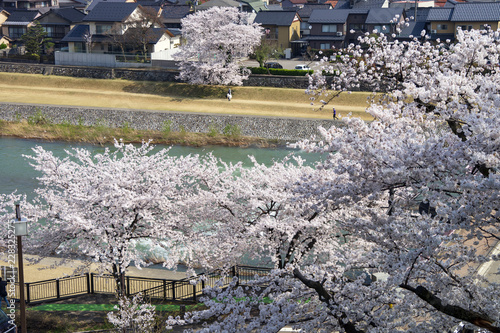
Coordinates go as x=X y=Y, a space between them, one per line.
x=212 y=130
x=101 y=125
x=3 y=46
x=231 y=130
x=38 y=118
x=166 y=127
x=80 y=121
x=126 y=127
x=182 y=130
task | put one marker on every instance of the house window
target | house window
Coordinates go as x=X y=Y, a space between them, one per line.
x=324 y=46
x=357 y=27
x=329 y=28
x=465 y=27
x=50 y=31
x=79 y=47
x=442 y=27
x=16 y=32
x=271 y=33
x=101 y=29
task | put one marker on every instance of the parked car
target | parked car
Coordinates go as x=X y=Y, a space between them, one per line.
x=302 y=67
x=273 y=65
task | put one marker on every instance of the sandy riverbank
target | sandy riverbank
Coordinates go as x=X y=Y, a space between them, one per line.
x=51 y=268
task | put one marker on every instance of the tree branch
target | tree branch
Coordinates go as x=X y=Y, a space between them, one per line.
x=455 y=311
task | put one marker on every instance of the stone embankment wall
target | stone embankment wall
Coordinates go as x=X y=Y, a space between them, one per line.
x=282 y=129
x=154 y=74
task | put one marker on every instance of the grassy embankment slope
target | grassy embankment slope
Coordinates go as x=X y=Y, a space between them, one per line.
x=165 y=96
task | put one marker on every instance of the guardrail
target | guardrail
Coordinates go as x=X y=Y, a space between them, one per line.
x=166 y=289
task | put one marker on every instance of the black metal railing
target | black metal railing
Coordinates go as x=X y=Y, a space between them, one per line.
x=166 y=289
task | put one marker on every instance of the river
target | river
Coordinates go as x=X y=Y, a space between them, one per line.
x=17 y=174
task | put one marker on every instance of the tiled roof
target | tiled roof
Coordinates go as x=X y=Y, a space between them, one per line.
x=110 y=12
x=21 y=17
x=76 y=34
x=368 y=4
x=177 y=2
x=338 y=16
x=343 y=4
x=154 y=34
x=306 y=11
x=413 y=29
x=382 y=15
x=278 y=18
x=276 y=7
x=479 y=12
x=218 y=3
x=440 y=14
x=71 y=15
x=255 y=4
x=93 y=3
x=175 y=11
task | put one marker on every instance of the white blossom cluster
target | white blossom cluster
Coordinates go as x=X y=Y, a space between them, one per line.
x=133 y=314
x=215 y=41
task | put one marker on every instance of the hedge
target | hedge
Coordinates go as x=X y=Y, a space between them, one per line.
x=279 y=71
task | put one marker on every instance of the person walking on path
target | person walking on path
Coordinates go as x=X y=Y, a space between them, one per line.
x=3 y=292
x=229 y=95
x=334 y=114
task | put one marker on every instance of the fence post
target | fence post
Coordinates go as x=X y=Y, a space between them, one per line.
x=127 y=292
x=91 y=283
x=164 y=289
x=194 y=292
x=27 y=293
x=173 y=290
x=58 y=291
x=88 y=282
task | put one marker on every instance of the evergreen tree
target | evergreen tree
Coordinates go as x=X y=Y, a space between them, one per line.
x=35 y=39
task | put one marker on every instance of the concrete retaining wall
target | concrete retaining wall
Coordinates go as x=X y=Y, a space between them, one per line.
x=150 y=74
x=283 y=129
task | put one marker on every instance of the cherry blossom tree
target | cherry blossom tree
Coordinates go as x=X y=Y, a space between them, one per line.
x=215 y=40
x=104 y=206
x=412 y=196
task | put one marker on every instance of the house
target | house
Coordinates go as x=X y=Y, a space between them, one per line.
x=477 y=15
x=58 y=22
x=281 y=27
x=335 y=28
x=77 y=4
x=91 y=4
x=28 y=4
x=105 y=20
x=417 y=23
x=18 y=22
x=5 y=40
x=171 y=15
x=384 y=20
x=126 y=29
x=305 y=14
x=444 y=22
